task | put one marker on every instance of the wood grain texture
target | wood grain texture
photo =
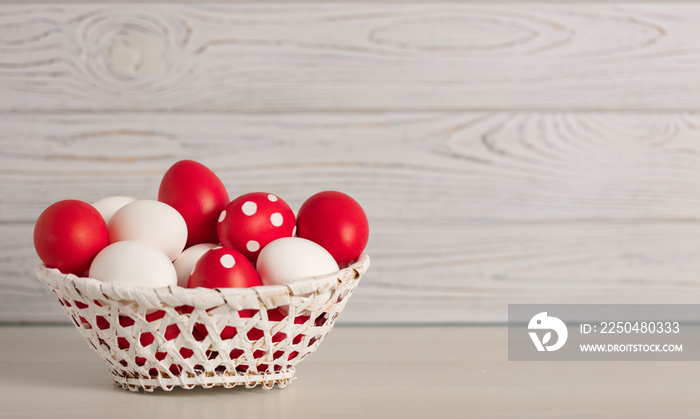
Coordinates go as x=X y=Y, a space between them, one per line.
x=343 y=56
x=468 y=211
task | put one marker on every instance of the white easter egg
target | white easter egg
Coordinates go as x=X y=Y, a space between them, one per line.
x=133 y=263
x=184 y=264
x=108 y=206
x=150 y=222
x=291 y=258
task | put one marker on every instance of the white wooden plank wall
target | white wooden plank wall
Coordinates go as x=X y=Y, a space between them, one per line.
x=513 y=152
x=364 y=57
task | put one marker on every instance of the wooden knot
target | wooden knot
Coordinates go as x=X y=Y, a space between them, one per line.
x=129 y=50
x=133 y=54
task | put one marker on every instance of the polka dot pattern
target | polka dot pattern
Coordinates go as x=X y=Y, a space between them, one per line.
x=249 y=208
x=276 y=219
x=252 y=246
x=253 y=220
x=227 y=261
x=222 y=216
x=223 y=268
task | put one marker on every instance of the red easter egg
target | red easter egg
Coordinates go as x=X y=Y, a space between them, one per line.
x=335 y=221
x=222 y=267
x=198 y=195
x=253 y=220
x=69 y=234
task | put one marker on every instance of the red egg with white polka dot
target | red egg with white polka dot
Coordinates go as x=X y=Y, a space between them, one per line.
x=253 y=220
x=222 y=267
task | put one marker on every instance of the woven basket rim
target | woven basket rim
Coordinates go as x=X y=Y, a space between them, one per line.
x=274 y=295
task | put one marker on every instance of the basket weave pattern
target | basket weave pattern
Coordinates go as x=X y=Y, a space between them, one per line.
x=168 y=337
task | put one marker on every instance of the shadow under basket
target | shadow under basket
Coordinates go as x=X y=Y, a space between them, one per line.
x=173 y=336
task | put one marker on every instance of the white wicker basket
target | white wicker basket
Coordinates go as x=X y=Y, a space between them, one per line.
x=168 y=337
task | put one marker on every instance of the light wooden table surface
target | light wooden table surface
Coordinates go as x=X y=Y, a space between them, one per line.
x=358 y=372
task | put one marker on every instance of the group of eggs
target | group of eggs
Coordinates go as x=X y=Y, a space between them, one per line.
x=193 y=236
